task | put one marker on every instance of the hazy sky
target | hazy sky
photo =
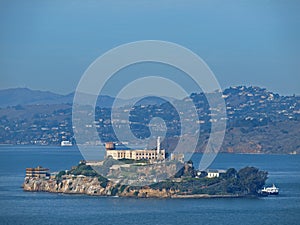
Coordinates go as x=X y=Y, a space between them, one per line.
x=47 y=45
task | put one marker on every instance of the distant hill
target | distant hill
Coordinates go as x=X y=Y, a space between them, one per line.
x=258 y=120
x=26 y=96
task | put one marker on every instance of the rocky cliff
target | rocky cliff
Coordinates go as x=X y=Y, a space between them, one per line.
x=91 y=186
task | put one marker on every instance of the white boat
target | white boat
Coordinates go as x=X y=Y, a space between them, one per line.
x=65 y=143
x=270 y=190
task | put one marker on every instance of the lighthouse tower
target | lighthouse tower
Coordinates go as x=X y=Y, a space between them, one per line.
x=158 y=147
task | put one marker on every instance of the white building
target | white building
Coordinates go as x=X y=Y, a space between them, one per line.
x=136 y=154
x=214 y=173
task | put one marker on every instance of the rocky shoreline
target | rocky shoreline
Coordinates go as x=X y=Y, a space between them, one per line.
x=91 y=186
x=186 y=183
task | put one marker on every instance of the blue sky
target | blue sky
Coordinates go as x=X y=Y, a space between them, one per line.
x=47 y=45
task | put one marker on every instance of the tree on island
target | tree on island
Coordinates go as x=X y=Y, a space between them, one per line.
x=251 y=179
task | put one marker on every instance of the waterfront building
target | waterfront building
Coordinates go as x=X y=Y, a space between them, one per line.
x=39 y=172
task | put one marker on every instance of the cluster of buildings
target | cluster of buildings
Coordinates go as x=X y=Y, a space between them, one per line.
x=157 y=154
x=151 y=155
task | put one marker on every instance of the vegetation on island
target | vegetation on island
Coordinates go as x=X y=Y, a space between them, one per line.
x=246 y=181
x=84 y=170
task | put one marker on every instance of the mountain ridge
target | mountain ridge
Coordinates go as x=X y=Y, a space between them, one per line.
x=25 y=96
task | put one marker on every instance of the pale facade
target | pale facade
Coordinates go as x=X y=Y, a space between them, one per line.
x=137 y=154
x=214 y=173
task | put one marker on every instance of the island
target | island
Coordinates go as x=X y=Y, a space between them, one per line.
x=146 y=174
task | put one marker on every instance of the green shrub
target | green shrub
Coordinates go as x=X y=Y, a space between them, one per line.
x=114 y=191
x=122 y=188
x=104 y=184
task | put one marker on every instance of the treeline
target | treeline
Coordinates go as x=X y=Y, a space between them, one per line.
x=246 y=181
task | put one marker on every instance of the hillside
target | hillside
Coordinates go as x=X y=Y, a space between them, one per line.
x=254 y=117
x=25 y=96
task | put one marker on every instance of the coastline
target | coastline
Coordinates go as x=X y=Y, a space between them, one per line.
x=40 y=185
x=196 y=196
x=91 y=186
x=152 y=178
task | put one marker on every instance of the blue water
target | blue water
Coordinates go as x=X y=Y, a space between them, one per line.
x=19 y=207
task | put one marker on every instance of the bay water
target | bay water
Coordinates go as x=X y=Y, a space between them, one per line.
x=19 y=207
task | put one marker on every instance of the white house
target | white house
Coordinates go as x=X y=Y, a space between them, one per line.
x=214 y=173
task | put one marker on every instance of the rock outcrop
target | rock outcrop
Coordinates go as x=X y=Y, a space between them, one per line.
x=91 y=186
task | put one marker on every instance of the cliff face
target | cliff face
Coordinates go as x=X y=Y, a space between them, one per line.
x=91 y=186
x=86 y=185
